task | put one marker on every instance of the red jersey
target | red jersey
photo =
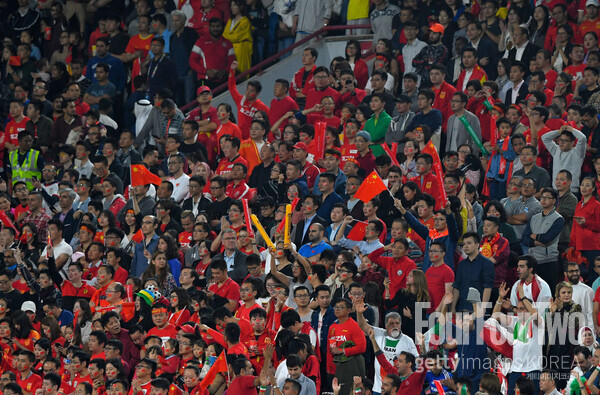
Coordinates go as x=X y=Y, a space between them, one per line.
x=239 y=191
x=249 y=151
x=185 y=238
x=355 y=99
x=12 y=130
x=86 y=291
x=314 y=97
x=242 y=385
x=138 y=43
x=31 y=383
x=211 y=54
x=226 y=164
x=78 y=379
x=340 y=333
x=229 y=290
x=229 y=128
x=279 y=107
x=303 y=81
x=145 y=389
x=311 y=172
x=256 y=346
x=243 y=311
x=398 y=269
x=166 y=333
x=430 y=184
x=477 y=74
x=437 y=277
x=246 y=109
x=349 y=151
x=443 y=95
x=200 y=20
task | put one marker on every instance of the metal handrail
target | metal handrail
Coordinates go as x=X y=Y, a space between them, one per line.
x=254 y=69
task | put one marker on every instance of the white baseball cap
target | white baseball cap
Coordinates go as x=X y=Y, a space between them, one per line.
x=29 y=306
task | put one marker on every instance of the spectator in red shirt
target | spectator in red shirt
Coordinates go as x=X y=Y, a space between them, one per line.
x=203 y=18
x=224 y=291
x=248 y=104
x=347 y=343
x=320 y=90
x=26 y=379
x=304 y=80
x=212 y=55
x=309 y=170
x=281 y=104
x=15 y=126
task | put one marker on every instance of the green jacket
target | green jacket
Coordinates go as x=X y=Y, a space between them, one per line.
x=377 y=127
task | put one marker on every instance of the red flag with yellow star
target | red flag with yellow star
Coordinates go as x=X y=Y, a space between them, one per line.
x=437 y=168
x=220 y=366
x=372 y=186
x=140 y=175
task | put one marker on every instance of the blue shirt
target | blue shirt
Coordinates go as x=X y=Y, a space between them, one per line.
x=308 y=250
x=65 y=318
x=117 y=70
x=175 y=267
x=327 y=205
x=97 y=90
x=139 y=263
x=451 y=239
x=478 y=274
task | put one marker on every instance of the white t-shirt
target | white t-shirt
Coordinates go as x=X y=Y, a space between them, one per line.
x=391 y=348
x=180 y=187
x=527 y=356
x=62 y=248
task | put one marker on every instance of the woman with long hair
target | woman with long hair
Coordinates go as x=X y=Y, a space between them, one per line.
x=168 y=245
x=564 y=87
x=142 y=315
x=115 y=370
x=513 y=20
x=271 y=187
x=410 y=152
x=539 y=27
x=562 y=309
x=357 y=64
x=408 y=300
x=61 y=54
x=106 y=220
x=30 y=244
x=158 y=269
x=585 y=236
x=503 y=69
x=590 y=43
x=562 y=49
x=180 y=306
x=42 y=350
x=411 y=194
x=83 y=314
x=24 y=334
x=362 y=114
x=51 y=331
x=239 y=31
x=423 y=135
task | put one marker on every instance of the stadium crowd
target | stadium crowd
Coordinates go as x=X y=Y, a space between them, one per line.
x=420 y=216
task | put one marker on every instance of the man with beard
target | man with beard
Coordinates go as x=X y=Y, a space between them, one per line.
x=529 y=285
x=582 y=293
x=435 y=52
x=390 y=340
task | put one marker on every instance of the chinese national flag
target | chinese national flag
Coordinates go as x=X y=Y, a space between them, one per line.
x=140 y=175
x=372 y=186
x=220 y=366
x=437 y=169
x=138 y=237
x=358 y=231
x=7 y=222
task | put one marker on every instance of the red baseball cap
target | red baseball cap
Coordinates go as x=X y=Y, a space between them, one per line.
x=437 y=28
x=203 y=89
x=301 y=146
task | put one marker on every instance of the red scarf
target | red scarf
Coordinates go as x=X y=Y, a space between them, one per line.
x=489 y=246
x=535 y=289
x=435 y=234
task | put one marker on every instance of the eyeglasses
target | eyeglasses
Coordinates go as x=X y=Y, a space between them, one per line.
x=303 y=296
x=435 y=251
